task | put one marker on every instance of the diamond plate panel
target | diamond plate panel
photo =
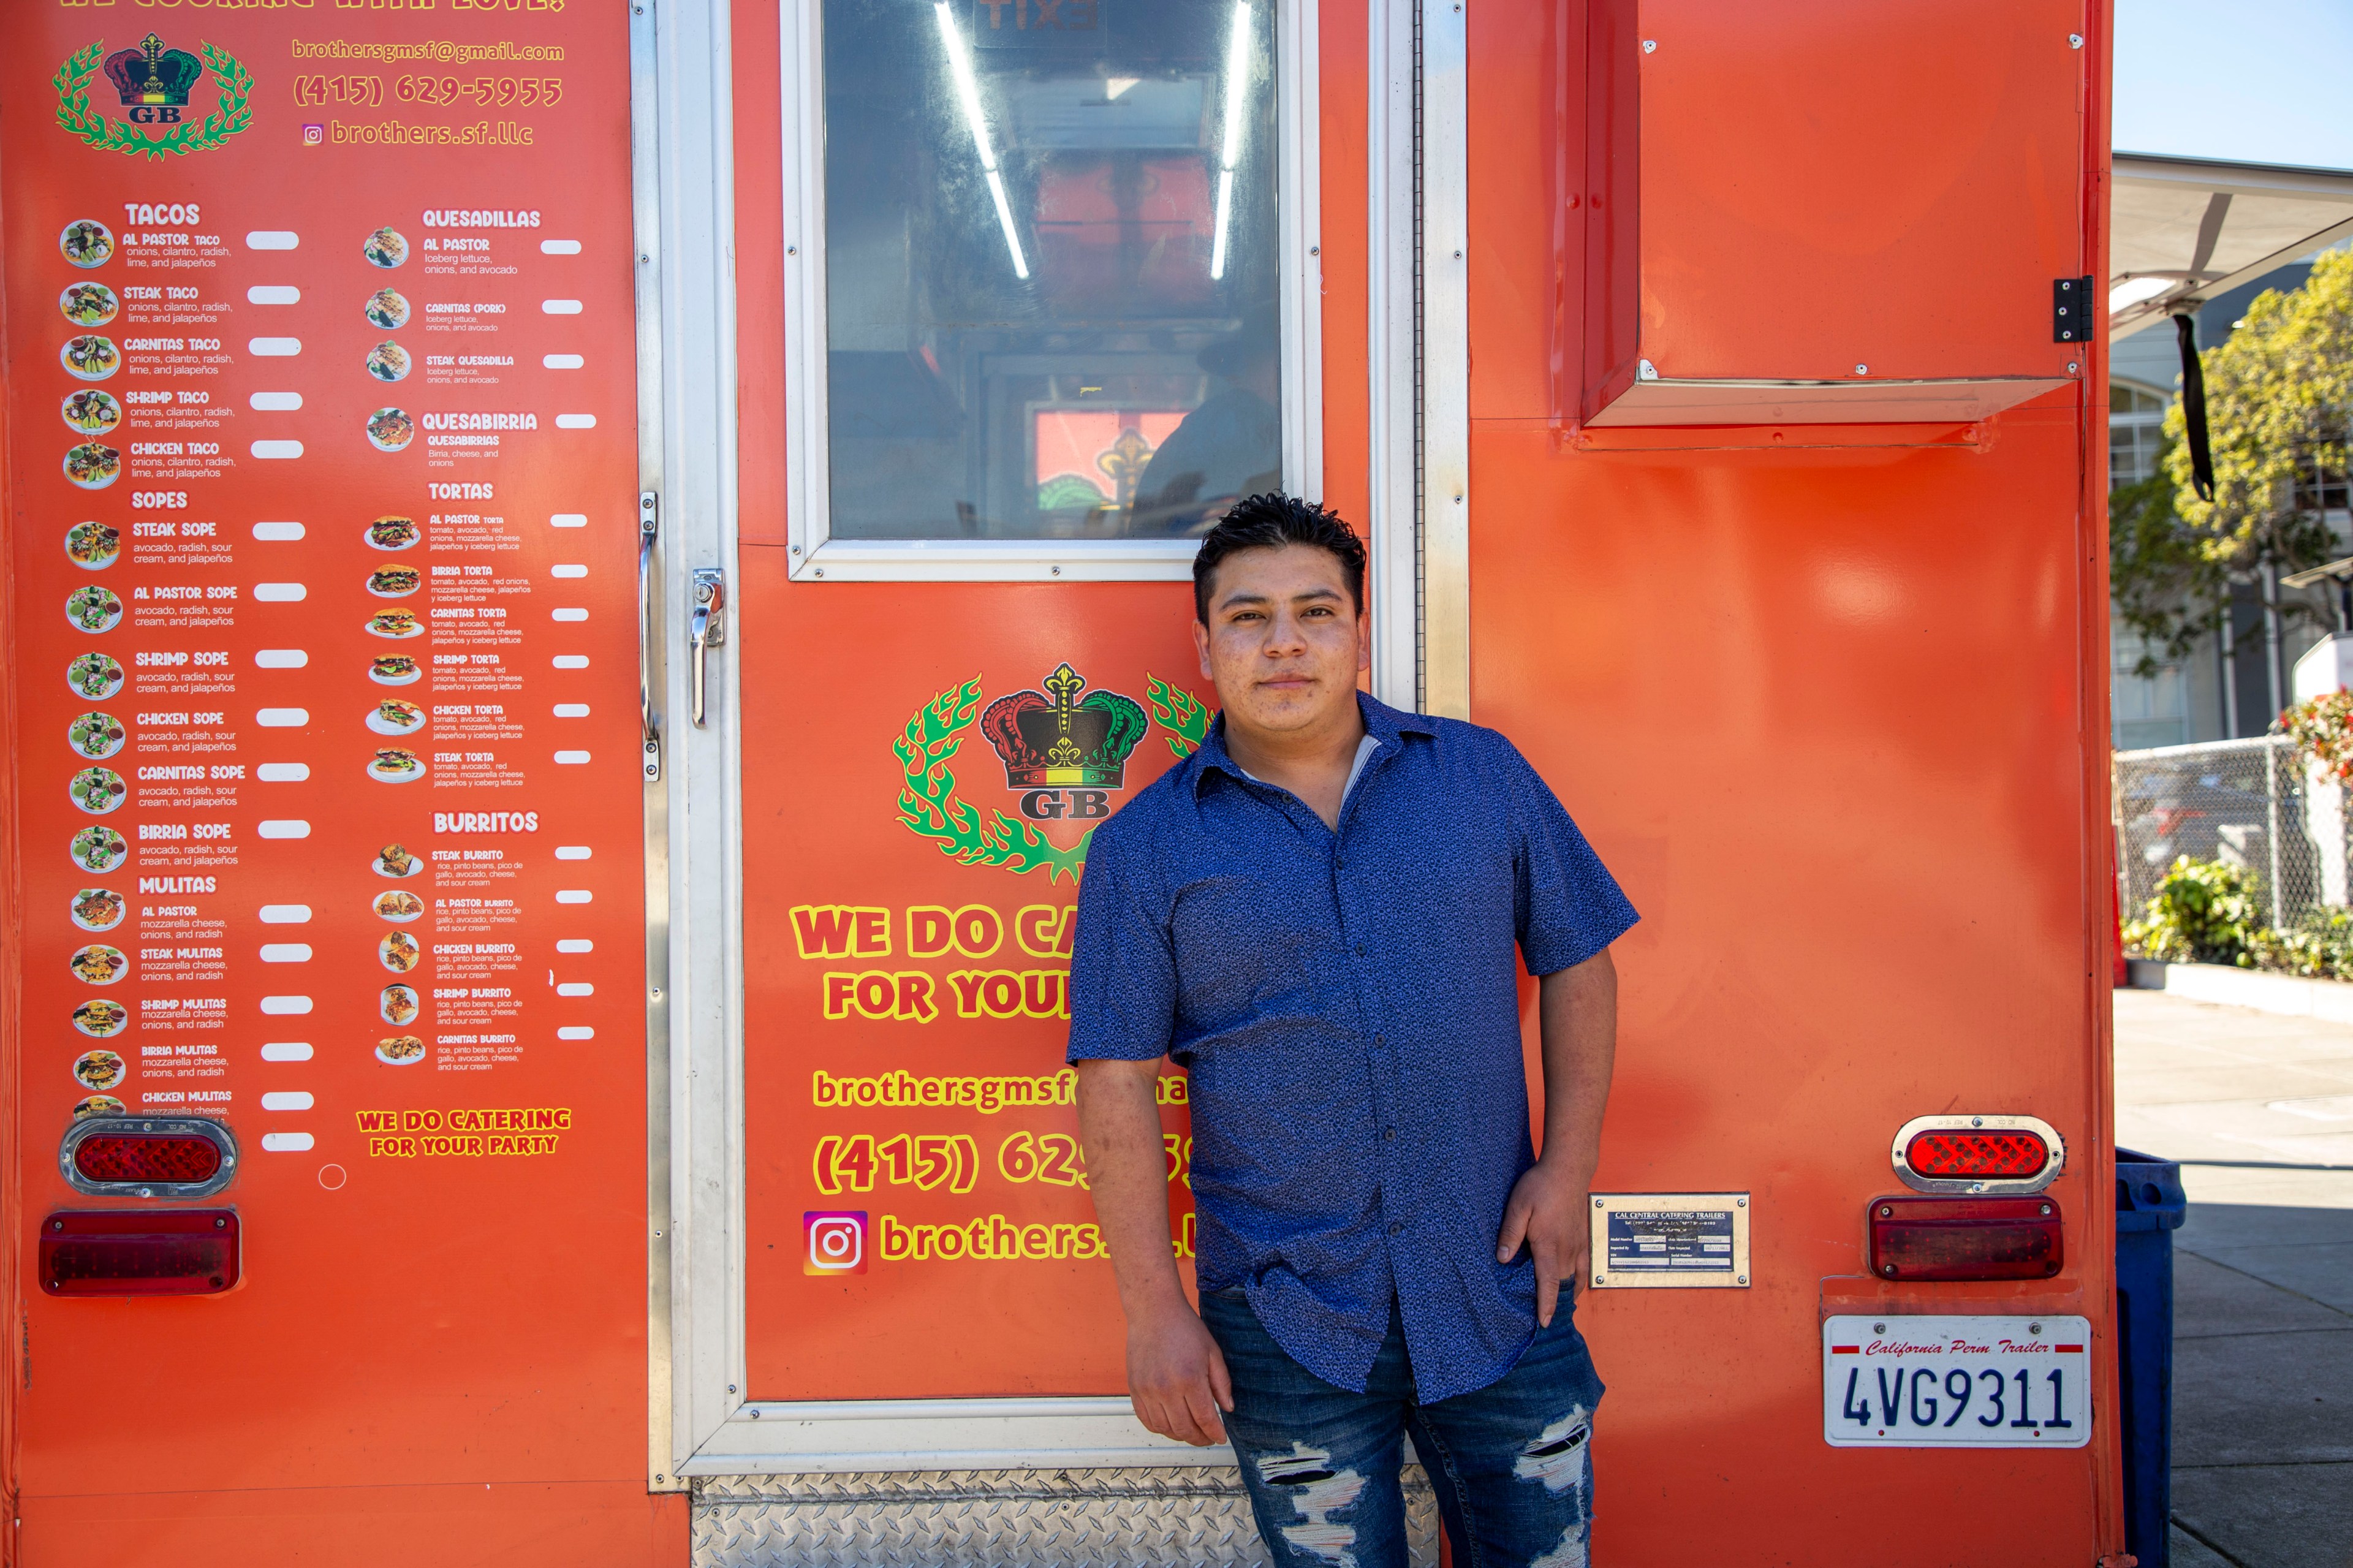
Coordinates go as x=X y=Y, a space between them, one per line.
x=1178 y=1518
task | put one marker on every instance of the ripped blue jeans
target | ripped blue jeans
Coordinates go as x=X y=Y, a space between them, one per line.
x=1512 y=1463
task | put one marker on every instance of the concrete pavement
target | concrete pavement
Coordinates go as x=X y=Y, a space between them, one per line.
x=2258 y=1110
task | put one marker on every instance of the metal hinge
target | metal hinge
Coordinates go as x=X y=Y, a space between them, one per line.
x=2071 y=309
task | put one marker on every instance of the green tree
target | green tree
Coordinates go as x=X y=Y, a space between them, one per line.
x=2279 y=405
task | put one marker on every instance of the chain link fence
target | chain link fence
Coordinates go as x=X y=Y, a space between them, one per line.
x=2247 y=802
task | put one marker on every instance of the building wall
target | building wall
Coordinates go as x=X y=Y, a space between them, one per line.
x=2184 y=701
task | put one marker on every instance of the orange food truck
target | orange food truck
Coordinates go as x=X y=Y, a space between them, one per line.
x=580 y=571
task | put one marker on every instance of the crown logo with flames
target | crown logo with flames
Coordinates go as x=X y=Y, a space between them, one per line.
x=1055 y=737
x=147 y=72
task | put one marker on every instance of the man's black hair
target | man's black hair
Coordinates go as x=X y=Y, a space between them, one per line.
x=1270 y=521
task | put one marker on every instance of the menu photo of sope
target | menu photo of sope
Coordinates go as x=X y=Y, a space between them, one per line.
x=94 y=676
x=93 y=609
x=93 y=546
x=99 y=849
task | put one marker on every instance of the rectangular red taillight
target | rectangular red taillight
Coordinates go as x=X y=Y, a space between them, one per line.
x=1960 y=1153
x=129 y=1157
x=124 y=1252
x=1966 y=1239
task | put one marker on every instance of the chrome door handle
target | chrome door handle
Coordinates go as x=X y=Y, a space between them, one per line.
x=709 y=627
x=649 y=527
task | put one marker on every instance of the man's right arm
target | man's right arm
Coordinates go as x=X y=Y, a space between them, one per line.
x=1176 y=1374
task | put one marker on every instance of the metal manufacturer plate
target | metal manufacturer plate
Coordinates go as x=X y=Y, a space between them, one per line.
x=1963 y=1381
x=1650 y=1241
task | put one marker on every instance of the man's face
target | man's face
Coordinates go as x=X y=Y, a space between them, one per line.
x=1284 y=643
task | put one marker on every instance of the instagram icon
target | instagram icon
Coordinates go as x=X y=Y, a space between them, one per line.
x=837 y=1243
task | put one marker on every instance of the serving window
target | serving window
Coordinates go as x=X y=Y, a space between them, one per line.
x=1042 y=320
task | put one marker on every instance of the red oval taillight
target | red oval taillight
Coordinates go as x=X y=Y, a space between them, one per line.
x=1970 y=1155
x=137 y=1157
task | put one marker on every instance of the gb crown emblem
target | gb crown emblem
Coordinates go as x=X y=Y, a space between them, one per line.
x=1053 y=740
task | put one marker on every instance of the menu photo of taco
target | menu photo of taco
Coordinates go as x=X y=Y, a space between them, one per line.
x=390 y=429
x=100 y=1070
x=388 y=308
x=98 y=908
x=99 y=849
x=95 y=735
x=400 y=1050
x=98 y=964
x=96 y=1105
x=97 y=790
x=393 y=766
x=394 y=581
x=393 y=860
x=393 y=716
x=87 y=304
x=86 y=242
x=388 y=362
x=397 y=906
x=98 y=1019
x=93 y=466
x=400 y=952
x=394 y=669
x=94 y=676
x=91 y=411
x=392 y=533
x=395 y=624
x=397 y=1004
x=92 y=546
x=91 y=358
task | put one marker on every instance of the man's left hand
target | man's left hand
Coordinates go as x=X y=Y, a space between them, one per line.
x=1549 y=1211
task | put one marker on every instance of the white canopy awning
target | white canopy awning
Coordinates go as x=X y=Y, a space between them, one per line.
x=2184 y=230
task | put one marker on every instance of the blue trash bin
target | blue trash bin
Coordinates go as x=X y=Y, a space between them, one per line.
x=2150 y=1206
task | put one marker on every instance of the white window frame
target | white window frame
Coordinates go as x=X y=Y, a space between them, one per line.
x=817 y=555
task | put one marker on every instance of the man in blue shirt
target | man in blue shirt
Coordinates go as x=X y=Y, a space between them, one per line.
x=1316 y=915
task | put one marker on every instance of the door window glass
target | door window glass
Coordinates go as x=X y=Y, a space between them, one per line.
x=1052 y=266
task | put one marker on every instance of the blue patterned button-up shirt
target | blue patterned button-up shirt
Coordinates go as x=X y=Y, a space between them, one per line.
x=1346 y=1004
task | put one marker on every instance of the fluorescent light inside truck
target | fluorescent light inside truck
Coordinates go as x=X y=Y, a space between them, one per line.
x=967 y=90
x=1229 y=150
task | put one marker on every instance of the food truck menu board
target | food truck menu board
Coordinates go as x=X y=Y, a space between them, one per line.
x=322 y=512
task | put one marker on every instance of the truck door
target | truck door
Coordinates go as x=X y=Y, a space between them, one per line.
x=1025 y=293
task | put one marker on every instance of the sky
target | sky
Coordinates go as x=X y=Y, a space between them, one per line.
x=2263 y=82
